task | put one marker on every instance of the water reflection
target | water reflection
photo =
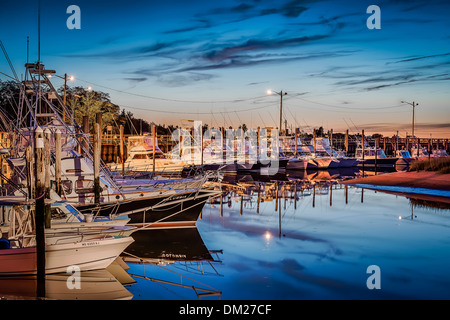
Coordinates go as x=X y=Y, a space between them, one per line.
x=295 y=235
x=311 y=237
x=93 y=285
x=176 y=259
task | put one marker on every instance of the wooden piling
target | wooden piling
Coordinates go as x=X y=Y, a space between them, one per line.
x=276 y=197
x=121 y=149
x=295 y=143
x=58 y=162
x=376 y=154
x=97 y=155
x=86 y=132
x=362 y=146
x=346 y=194
x=48 y=216
x=31 y=184
x=331 y=139
x=221 y=203
x=331 y=194
x=242 y=203
x=314 y=139
x=40 y=211
x=154 y=148
x=314 y=196
x=259 y=199
x=346 y=141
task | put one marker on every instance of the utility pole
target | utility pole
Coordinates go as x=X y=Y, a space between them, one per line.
x=281 y=93
x=414 y=105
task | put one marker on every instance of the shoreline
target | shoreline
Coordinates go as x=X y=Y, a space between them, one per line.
x=421 y=179
x=422 y=185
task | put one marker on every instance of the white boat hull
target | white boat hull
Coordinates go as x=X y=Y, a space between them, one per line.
x=87 y=255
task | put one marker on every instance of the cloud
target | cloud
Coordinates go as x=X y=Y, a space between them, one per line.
x=416 y=58
x=136 y=52
x=260 y=44
x=136 y=80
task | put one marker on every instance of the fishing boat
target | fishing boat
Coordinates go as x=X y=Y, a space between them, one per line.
x=373 y=157
x=18 y=245
x=141 y=154
x=91 y=254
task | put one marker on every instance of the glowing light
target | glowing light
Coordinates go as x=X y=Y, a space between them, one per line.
x=267 y=235
x=71 y=78
x=269 y=92
x=399 y=217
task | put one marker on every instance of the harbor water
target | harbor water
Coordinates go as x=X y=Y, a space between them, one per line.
x=294 y=236
x=321 y=244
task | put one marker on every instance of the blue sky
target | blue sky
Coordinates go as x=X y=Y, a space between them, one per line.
x=214 y=60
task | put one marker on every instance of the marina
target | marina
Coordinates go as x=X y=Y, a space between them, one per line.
x=243 y=211
x=215 y=186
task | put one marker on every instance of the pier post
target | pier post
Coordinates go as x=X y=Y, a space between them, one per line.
x=418 y=147
x=40 y=211
x=295 y=143
x=48 y=216
x=30 y=172
x=396 y=143
x=86 y=132
x=295 y=194
x=362 y=146
x=314 y=196
x=242 y=203
x=221 y=203
x=346 y=142
x=97 y=148
x=376 y=153
x=58 y=162
x=331 y=194
x=154 y=148
x=276 y=197
x=346 y=194
x=259 y=199
x=121 y=149
x=430 y=146
x=314 y=140
x=331 y=141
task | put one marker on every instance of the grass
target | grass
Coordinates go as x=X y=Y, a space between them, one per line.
x=439 y=165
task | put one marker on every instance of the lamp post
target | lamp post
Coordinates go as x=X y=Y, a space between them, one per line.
x=281 y=93
x=413 y=104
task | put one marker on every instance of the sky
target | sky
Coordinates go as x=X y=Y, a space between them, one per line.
x=213 y=61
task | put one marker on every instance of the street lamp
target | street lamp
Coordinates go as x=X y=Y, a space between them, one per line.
x=281 y=93
x=413 y=104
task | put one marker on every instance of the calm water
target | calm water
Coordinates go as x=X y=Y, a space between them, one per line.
x=317 y=247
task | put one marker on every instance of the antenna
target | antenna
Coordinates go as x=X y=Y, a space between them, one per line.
x=28 y=47
x=39 y=31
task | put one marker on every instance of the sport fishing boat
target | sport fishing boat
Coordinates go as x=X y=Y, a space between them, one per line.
x=140 y=158
x=18 y=248
x=373 y=157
